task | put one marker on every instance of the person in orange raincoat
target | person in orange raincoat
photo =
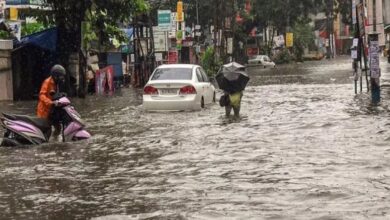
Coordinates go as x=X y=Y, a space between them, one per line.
x=49 y=87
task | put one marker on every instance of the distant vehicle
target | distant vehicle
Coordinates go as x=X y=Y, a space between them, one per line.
x=178 y=87
x=263 y=60
x=313 y=56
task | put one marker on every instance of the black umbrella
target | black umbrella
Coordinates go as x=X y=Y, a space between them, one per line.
x=232 y=78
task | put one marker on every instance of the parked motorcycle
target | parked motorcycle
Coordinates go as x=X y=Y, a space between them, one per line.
x=25 y=130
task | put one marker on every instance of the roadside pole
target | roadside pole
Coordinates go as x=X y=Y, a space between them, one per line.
x=375 y=71
x=179 y=34
x=355 y=49
x=361 y=52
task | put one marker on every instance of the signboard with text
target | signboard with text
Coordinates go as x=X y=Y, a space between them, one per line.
x=160 y=41
x=24 y=2
x=164 y=20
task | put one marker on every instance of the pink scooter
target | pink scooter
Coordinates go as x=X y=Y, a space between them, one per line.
x=24 y=130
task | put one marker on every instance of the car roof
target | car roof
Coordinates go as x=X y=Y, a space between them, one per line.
x=186 y=66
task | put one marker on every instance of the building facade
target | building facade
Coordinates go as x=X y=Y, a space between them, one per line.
x=386 y=21
x=2 y=7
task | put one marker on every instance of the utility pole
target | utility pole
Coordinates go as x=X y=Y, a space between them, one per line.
x=197 y=12
x=375 y=71
x=329 y=26
x=180 y=19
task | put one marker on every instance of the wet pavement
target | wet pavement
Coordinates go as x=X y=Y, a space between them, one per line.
x=305 y=147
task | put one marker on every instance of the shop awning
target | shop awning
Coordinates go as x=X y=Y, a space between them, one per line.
x=387 y=28
x=26 y=4
x=46 y=39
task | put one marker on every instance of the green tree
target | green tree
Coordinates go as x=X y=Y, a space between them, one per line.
x=282 y=14
x=303 y=38
x=210 y=62
x=104 y=16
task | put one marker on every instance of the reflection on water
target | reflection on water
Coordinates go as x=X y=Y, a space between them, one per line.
x=307 y=150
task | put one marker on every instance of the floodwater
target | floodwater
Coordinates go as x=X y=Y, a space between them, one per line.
x=305 y=147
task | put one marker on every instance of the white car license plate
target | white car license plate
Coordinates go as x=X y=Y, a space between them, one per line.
x=168 y=91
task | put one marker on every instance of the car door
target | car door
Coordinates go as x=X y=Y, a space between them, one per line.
x=267 y=61
x=200 y=87
x=209 y=93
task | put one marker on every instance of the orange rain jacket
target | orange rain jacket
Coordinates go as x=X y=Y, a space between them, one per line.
x=45 y=99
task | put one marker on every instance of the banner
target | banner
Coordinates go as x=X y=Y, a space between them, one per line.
x=279 y=41
x=173 y=57
x=104 y=81
x=13 y=14
x=289 y=39
x=230 y=45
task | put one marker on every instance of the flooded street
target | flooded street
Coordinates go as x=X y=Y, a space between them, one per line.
x=305 y=147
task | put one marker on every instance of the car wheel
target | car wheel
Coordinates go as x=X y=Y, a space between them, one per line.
x=214 y=99
x=202 y=103
x=265 y=67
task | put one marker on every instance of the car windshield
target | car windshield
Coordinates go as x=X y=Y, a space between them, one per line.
x=173 y=74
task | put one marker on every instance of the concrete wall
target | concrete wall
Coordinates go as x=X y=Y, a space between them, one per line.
x=6 y=84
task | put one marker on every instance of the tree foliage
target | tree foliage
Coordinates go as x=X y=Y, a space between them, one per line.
x=104 y=15
x=303 y=38
x=282 y=14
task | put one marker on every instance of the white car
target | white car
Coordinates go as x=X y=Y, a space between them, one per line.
x=263 y=60
x=177 y=87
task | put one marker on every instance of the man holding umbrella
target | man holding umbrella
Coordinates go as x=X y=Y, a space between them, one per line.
x=232 y=79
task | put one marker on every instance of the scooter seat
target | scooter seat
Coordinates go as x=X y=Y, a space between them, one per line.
x=40 y=123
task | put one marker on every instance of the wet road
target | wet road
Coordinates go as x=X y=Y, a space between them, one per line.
x=305 y=147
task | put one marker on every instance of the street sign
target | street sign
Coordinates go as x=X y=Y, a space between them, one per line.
x=164 y=20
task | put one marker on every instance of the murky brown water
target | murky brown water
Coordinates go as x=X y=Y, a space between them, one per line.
x=305 y=148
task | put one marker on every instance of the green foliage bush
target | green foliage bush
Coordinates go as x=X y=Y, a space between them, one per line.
x=5 y=35
x=283 y=56
x=210 y=62
x=31 y=28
